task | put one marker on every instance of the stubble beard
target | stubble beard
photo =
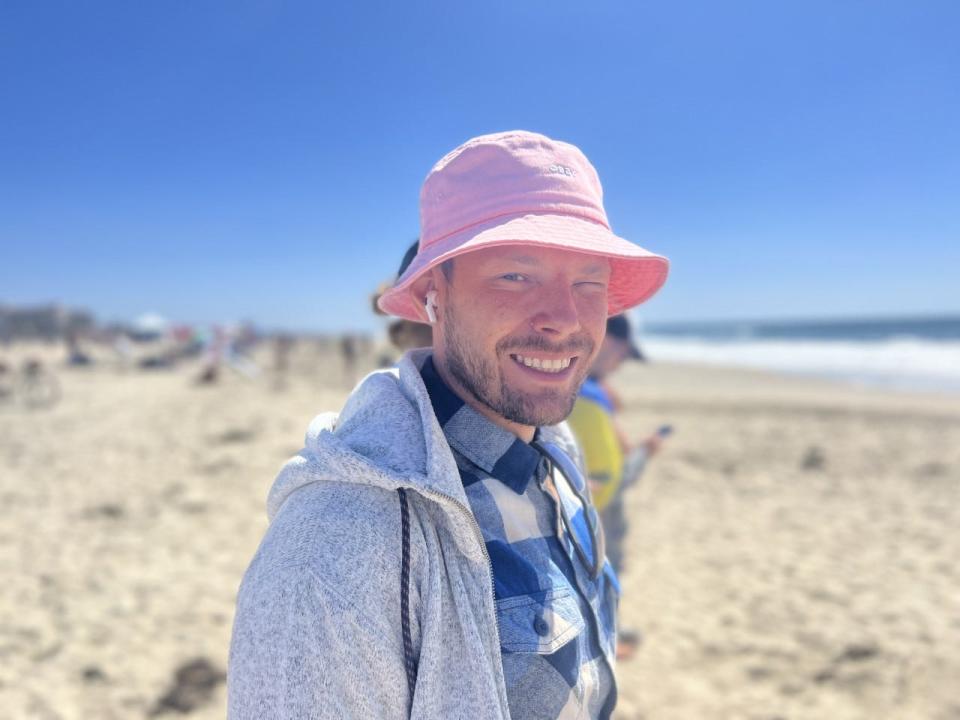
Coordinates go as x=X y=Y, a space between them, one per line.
x=480 y=376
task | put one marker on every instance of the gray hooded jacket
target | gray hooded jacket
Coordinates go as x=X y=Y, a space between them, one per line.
x=317 y=632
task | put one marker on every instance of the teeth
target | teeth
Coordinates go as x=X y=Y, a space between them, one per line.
x=552 y=366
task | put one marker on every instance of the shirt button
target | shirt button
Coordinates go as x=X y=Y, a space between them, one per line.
x=541 y=626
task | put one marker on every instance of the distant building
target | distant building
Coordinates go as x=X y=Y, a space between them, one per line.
x=44 y=322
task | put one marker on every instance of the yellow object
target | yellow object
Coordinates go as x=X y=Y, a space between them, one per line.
x=602 y=455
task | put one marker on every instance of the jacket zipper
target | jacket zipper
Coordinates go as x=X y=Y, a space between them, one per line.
x=483 y=547
x=493 y=594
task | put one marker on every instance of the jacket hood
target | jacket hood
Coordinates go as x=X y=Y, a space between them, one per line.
x=386 y=435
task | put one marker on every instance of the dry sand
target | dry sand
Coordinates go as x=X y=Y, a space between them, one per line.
x=792 y=552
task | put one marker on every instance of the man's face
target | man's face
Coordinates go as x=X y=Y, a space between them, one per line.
x=519 y=328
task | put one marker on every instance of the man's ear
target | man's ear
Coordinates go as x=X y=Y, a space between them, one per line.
x=430 y=306
x=425 y=292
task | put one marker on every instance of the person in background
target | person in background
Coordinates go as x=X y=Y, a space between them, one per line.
x=613 y=462
x=282 y=346
x=403 y=334
x=348 y=356
x=76 y=356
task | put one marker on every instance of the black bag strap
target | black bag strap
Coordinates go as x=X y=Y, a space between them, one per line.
x=409 y=661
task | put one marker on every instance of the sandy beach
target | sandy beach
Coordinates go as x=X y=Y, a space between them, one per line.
x=792 y=552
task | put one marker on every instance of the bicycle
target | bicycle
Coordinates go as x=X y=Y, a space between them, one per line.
x=32 y=385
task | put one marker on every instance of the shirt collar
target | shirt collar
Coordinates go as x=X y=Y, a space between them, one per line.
x=493 y=449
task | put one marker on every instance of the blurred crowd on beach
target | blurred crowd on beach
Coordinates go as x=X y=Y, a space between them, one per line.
x=45 y=339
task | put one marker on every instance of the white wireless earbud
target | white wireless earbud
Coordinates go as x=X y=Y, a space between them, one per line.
x=430 y=305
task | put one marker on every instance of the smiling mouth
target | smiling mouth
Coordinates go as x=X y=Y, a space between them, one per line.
x=544 y=365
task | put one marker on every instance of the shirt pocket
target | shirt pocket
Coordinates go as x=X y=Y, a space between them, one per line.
x=542 y=622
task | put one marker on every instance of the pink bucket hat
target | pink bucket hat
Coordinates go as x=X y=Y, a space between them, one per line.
x=520 y=188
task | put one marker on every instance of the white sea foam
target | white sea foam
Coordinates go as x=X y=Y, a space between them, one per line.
x=905 y=363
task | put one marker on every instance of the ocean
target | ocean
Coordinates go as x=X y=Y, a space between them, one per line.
x=921 y=353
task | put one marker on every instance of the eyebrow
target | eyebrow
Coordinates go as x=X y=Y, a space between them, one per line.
x=522 y=259
x=592 y=269
x=595 y=269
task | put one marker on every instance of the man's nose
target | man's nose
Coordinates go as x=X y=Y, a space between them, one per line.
x=556 y=312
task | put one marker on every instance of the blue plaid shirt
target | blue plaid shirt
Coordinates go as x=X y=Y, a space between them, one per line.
x=556 y=624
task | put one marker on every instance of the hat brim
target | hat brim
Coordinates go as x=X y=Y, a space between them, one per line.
x=635 y=273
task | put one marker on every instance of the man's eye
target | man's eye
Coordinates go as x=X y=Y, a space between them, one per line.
x=514 y=277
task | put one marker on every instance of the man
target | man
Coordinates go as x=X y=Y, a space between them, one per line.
x=432 y=551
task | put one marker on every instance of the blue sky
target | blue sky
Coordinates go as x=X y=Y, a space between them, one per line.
x=262 y=160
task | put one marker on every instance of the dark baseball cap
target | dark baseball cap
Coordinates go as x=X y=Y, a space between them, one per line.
x=408 y=257
x=618 y=326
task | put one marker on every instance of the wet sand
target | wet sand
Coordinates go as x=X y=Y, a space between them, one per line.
x=792 y=551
